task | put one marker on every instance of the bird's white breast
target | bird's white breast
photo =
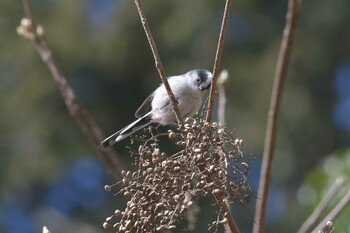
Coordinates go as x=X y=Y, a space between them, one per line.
x=189 y=101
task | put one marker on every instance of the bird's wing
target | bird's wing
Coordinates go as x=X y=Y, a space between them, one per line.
x=145 y=107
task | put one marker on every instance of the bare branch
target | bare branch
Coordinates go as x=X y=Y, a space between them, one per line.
x=270 y=137
x=231 y=221
x=29 y=15
x=87 y=123
x=328 y=228
x=222 y=80
x=343 y=203
x=158 y=63
x=218 y=54
x=311 y=220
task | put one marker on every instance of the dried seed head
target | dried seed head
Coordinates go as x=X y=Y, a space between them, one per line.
x=172 y=135
x=156 y=152
x=162 y=189
x=106 y=225
x=108 y=188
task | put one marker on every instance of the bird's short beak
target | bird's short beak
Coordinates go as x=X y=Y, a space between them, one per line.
x=203 y=88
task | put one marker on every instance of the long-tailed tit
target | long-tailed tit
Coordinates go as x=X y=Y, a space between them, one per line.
x=188 y=90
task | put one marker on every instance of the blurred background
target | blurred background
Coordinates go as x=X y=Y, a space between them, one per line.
x=49 y=174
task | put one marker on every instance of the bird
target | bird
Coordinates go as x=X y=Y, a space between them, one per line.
x=188 y=90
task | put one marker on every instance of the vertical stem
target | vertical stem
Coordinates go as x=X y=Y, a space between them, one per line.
x=270 y=137
x=218 y=55
x=222 y=80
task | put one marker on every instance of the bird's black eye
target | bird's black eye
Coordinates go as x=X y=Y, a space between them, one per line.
x=198 y=80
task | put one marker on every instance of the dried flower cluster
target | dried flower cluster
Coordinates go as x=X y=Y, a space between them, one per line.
x=158 y=194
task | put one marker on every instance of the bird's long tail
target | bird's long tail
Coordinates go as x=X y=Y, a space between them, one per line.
x=126 y=132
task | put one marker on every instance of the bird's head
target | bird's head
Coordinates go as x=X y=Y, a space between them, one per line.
x=200 y=78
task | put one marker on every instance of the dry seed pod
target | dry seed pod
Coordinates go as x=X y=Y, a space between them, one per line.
x=106 y=225
x=198 y=161
x=171 y=135
x=108 y=188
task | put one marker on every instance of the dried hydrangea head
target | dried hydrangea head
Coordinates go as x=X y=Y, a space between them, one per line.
x=208 y=161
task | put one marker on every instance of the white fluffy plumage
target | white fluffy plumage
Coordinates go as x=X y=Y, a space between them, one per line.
x=188 y=90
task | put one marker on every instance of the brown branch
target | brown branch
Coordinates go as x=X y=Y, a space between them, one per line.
x=87 y=123
x=343 y=203
x=29 y=15
x=218 y=55
x=226 y=209
x=270 y=137
x=223 y=203
x=158 y=63
x=231 y=223
x=333 y=190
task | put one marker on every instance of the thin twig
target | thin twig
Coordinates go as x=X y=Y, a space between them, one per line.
x=231 y=223
x=218 y=55
x=85 y=120
x=222 y=80
x=226 y=209
x=158 y=63
x=29 y=15
x=344 y=202
x=224 y=205
x=333 y=190
x=270 y=137
x=328 y=228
